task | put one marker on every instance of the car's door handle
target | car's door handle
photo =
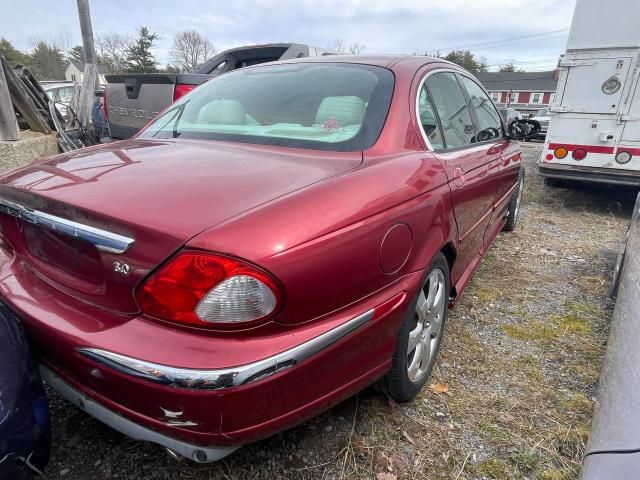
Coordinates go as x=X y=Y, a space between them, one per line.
x=458 y=177
x=495 y=149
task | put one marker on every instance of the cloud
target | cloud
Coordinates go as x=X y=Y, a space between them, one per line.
x=383 y=26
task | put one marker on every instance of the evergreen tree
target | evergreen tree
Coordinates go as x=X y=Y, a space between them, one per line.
x=12 y=54
x=139 y=56
x=47 y=62
x=76 y=54
x=466 y=60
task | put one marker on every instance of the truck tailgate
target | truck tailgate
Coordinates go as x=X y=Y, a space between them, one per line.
x=134 y=99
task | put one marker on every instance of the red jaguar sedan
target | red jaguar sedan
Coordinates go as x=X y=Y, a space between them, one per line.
x=272 y=243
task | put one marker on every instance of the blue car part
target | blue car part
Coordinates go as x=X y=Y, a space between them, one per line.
x=25 y=426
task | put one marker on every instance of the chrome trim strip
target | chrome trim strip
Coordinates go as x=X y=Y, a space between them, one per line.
x=129 y=428
x=228 y=377
x=102 y=239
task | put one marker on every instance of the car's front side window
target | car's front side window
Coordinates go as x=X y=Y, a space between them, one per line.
x=488 y=118
x=326 y=106
x=452 y=108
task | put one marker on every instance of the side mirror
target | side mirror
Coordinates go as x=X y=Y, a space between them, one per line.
x=523 y=129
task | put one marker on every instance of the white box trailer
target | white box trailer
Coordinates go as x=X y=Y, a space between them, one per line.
x=594 y=130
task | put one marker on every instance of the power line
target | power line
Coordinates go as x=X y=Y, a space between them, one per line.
x=511 y=62
x=522 y=41
x=507 y=40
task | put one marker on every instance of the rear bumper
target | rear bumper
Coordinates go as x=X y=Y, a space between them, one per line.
x=303 y=369
x=590 y=174
x=197 y=453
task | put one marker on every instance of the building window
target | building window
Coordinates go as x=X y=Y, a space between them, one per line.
x=73 y=77
x=495 y=96
x=536 y=97
x=513 y=97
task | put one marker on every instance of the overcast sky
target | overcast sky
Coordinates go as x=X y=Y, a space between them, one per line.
x=531 y=32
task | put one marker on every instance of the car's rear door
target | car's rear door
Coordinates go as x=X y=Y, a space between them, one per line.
x=468 y=164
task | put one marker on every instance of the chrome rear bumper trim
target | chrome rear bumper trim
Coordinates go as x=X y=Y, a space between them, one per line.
x=102 y=239
x=129 y=428
x=228 y=377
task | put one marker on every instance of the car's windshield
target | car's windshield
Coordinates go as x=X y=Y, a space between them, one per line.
x=542 y=113
x=328 y=106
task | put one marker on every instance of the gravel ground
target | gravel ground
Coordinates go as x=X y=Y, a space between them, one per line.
x=511 y=395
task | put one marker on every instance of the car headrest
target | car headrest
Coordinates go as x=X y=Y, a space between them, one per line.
x=347 y=110
x=223 y=112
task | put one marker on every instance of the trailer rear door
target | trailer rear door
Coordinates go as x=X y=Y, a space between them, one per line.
x=590 y=84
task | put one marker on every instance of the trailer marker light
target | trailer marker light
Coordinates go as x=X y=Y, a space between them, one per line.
x=623 y=157
x=579 y=154
x=549 y=157
x=560 y=152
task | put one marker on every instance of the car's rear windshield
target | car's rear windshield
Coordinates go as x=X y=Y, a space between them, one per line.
x=328 y=106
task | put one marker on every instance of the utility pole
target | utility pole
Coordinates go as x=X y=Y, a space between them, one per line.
x=90 y=75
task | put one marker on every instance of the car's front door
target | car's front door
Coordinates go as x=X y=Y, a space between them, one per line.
x=468 y=161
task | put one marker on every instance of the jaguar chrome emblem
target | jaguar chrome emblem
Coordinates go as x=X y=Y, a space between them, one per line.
x=121 y=268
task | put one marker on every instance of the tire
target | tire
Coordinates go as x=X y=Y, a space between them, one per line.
x=514 y=204
x=401 y=383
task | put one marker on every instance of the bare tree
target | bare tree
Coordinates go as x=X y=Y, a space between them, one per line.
x=112 y=51
x=356 y=48
x=338 y=46
x=190 y=50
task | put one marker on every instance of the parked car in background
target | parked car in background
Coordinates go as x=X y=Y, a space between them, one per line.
x=297 y=235
x=25 y=430
x=61 y=93
x=594 y=133
x=542 y=116
x=613 y=450
x=509 y=115
x=133 y=99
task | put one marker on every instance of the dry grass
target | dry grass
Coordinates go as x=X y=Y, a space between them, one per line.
x=521 y=359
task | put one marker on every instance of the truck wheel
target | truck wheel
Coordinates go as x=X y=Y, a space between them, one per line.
x=514 y=204
x=420 y=335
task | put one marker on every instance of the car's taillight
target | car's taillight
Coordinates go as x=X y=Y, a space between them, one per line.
x=206 y=290
x=181 y=90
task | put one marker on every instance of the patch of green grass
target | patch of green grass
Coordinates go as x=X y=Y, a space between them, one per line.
x=531 y=331
x=572 y=323
x=579 y=404
x=525 y=460
x=554 y=474
x=492 y=468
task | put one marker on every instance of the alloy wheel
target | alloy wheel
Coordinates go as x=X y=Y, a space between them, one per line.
x=427 y=330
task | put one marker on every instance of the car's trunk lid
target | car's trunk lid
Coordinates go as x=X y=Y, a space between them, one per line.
x=158 y=194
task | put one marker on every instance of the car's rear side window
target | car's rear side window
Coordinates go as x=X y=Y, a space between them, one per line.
x=450 y=102
x=328 y=106
x=428 y=120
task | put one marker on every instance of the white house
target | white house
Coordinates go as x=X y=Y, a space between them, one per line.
x=74 y=73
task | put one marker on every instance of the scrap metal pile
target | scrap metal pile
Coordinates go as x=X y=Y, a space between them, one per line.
x=36 y=111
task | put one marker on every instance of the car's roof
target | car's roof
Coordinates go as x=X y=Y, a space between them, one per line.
x=388 y=61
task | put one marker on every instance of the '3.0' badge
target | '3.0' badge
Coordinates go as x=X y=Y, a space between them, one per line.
x=122 y=268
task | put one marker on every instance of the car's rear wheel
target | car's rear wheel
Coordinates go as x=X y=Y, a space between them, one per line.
x=420 y=336
x=514 y=204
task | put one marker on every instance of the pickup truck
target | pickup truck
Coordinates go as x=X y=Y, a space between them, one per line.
x=131 y=100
